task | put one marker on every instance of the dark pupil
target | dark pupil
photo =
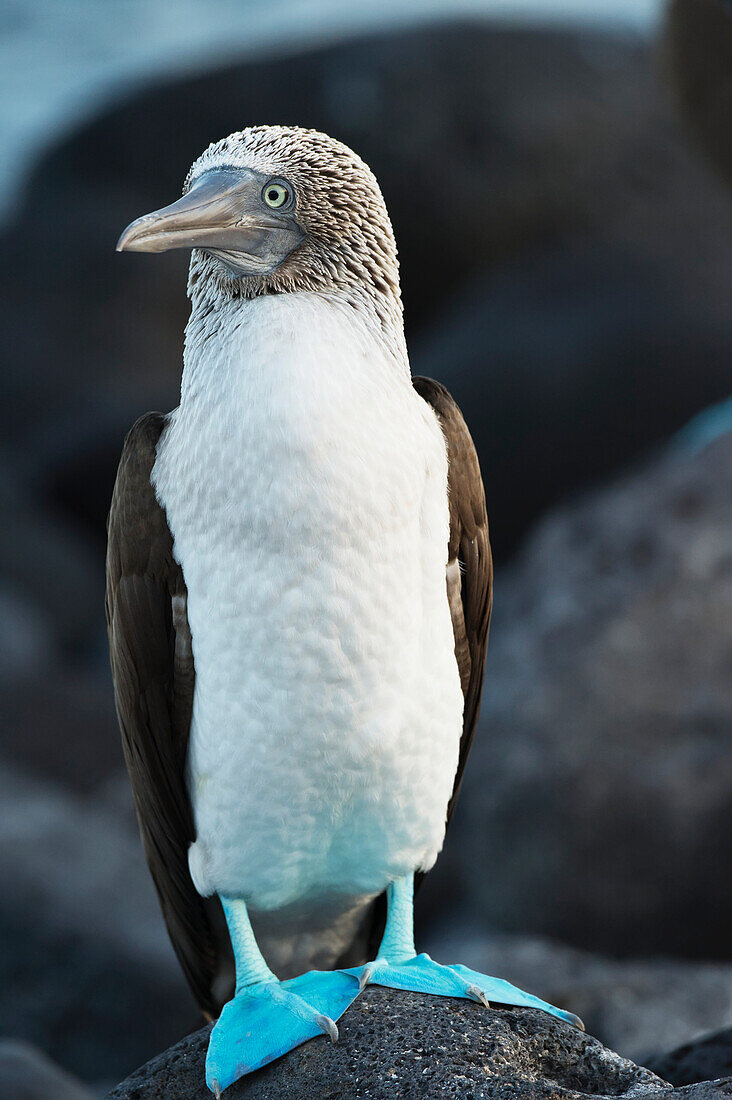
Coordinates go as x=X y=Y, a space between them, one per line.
x=274 y=195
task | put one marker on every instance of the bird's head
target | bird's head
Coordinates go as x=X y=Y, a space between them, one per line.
x=273 y=209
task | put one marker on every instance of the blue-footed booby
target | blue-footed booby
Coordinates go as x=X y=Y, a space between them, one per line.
x=298 y=596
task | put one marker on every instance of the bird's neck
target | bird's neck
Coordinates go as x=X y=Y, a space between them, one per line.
x=266 y=339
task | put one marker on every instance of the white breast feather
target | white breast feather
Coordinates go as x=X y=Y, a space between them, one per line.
x=305 y=483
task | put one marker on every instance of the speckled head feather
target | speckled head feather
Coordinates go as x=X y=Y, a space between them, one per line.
x=349 y=246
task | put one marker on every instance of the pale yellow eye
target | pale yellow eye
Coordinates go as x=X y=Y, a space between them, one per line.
x=276 y=195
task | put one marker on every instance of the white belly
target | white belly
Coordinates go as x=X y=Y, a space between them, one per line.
x=305 y=487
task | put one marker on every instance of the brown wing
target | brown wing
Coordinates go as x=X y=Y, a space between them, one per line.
x=470 y=566
x=152 y=669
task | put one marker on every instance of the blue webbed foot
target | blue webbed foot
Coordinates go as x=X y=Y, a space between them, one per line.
x=421 y=974
x=400 y=967
x=266 y=1020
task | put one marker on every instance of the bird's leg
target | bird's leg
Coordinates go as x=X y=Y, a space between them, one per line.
x=248 y=959
x=266 y=1017
x=398 y=966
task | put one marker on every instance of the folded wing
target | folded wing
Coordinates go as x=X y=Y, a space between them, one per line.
x=153 y=673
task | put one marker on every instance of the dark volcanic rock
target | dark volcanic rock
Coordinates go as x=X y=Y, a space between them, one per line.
x=27 y=1074
x=62 y=727
x=705 y=1090
x=597 y=800
x=578 y=340
x=698 y=49
x=86 y=970
x=634 y=1006
x=51 y=584
x=698 y=1061
x=403 y=1044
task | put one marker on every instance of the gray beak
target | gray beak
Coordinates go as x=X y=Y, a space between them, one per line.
x=222 y=213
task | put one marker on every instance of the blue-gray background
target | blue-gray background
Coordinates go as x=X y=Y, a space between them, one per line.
x=559 y=178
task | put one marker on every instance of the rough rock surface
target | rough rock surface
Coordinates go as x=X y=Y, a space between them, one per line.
x=596 y=805
x=639 y=1007
x=403 y=1044
x=702 y=1060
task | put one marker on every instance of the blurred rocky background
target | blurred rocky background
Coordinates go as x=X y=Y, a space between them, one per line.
x=559 y=180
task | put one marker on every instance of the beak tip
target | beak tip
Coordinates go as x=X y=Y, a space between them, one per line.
x=135 y=236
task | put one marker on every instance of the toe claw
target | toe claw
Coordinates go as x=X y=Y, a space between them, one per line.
x=329 y=1027
x=476 y=994
x=216 y=1089
x=576 y=1021
x=365 y=978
